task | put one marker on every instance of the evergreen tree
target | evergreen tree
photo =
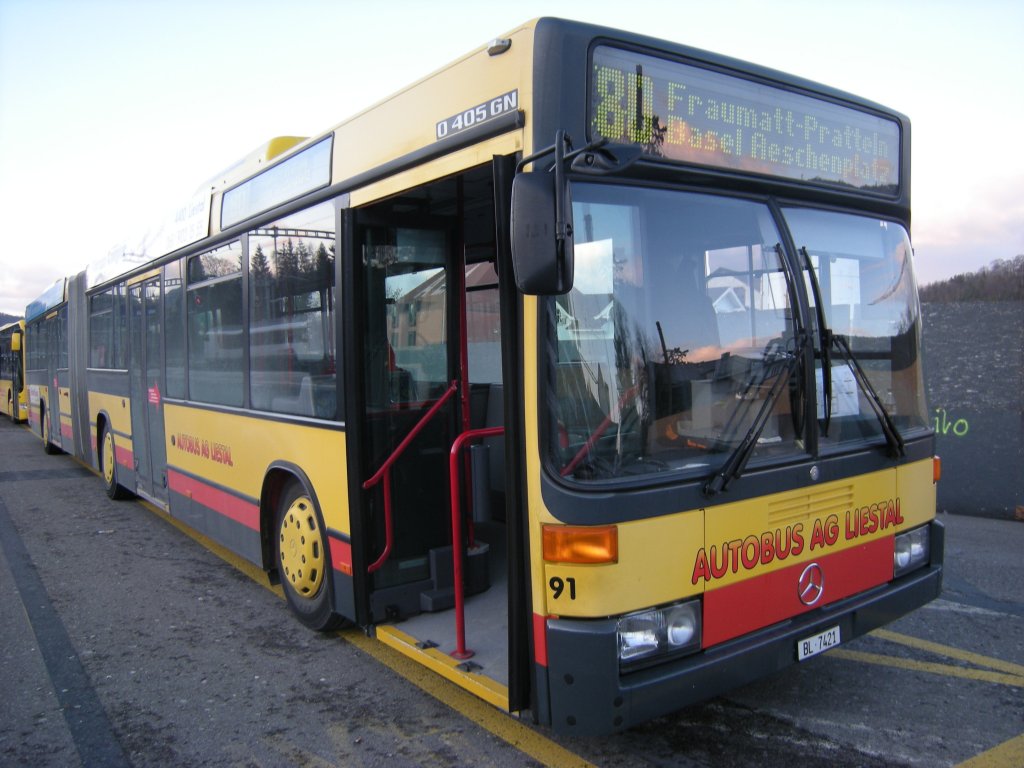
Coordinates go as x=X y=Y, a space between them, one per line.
x=259 y=265
x=1002 y=280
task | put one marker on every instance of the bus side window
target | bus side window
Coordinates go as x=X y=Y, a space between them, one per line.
x=292 y=354
x=215 y=327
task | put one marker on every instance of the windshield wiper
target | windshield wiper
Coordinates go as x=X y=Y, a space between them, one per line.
x=782 y=364
x=827 y=340
x=889 y=428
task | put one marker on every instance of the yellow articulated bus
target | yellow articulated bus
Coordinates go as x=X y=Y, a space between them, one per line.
x=585 y=371
x=13 y=387
x=54 y=333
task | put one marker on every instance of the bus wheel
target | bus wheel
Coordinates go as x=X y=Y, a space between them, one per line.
x=44 y=428
x=302 y=559
x=108 y=466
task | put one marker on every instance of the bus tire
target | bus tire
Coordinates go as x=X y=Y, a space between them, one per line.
x=303 y=560
x=44 y=430
x=108 y=466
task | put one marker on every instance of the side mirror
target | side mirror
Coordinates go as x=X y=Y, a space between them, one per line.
x=542 y=255
x=15 y=342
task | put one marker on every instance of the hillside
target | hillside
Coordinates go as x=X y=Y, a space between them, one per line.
x=5 y=319
x=1002 y=280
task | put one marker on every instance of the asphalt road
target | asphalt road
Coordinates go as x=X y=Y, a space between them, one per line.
x=123 y=641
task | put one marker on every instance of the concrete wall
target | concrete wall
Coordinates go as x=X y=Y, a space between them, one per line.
x=974 y=374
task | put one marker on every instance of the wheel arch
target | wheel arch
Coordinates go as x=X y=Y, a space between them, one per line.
x=45 y=432
x=278 y=476
x=117 y=491
x=102 y=420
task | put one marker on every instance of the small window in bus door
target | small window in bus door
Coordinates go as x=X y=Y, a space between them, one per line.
x=407 y=334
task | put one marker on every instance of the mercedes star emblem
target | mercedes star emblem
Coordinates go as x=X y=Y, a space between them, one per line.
x=811 y=584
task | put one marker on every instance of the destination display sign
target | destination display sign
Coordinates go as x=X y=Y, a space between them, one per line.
x=303 y=172
x=694 y=115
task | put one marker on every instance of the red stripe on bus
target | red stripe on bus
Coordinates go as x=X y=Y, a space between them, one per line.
x=540 y=639
x=222 y=502
x=764 y=600
x=341 y=555
x=124 y=456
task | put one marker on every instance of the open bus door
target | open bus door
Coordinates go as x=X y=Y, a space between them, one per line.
x=428 y=354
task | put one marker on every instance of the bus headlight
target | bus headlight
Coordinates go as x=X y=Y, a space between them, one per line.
x=660 y=631
x=911 y=550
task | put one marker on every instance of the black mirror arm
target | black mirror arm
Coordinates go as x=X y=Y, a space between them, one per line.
x=560 y=136
x=563 y=229
x=567 y=157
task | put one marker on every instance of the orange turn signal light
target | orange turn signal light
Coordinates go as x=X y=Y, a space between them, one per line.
x=585 y=544
x=936 y=469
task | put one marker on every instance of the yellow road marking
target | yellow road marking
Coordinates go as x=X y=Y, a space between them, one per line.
x=500 y=724
x=1009 y=754
x=954 y=653
x=928 y=666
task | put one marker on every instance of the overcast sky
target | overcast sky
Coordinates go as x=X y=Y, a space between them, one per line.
x=112 y=112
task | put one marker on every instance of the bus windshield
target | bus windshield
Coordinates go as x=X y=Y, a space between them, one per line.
x=865 y=277
x=679 y=330
x=680 y=339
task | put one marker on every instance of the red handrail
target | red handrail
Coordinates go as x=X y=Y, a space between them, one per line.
x=596 y=434
x=385 y=473
x=461 y=652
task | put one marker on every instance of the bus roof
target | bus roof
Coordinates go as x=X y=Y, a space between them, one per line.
x=53 y=296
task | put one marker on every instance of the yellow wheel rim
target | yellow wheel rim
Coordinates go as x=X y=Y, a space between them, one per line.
x=302 y=548
x=108 y=457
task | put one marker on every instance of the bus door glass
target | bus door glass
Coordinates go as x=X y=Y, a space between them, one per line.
x=406 y=369
x=18 y=369
x=147 y=389
x=430 y=341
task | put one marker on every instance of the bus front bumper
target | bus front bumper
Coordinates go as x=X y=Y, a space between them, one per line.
x=588 y=695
